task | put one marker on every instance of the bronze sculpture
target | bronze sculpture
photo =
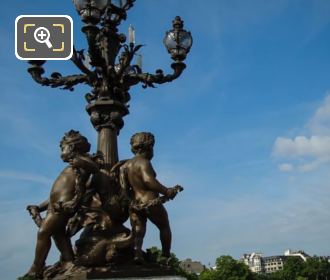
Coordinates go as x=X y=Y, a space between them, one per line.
x=105 y=192
x=140 y=178
x=72 y=198
x=65 y=198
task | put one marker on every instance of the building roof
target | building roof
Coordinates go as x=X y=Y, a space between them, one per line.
x=192 y=266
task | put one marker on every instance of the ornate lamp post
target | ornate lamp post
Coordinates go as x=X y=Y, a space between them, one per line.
x=110 y=74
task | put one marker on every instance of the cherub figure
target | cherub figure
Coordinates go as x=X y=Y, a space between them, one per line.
x=65 y=198
x=139 y=178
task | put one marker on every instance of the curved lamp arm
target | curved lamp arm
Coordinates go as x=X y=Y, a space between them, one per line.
x=158 y=78
x=56 y=80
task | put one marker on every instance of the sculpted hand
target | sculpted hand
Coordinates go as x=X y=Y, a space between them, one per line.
x=58 y=206
x=74 y=162
x=171 y=193
x=69 y=206
x=34 y=211
x=98 y=158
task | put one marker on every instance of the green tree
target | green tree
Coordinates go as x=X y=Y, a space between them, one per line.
x=316 y=269
x=228 y=269
x=270 y=276
x=292 y=269
x=263 y=277
x=209 y=274
x=232 y=269
x=156 y=255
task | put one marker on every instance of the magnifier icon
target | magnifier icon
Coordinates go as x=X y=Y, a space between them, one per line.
x=42 y=35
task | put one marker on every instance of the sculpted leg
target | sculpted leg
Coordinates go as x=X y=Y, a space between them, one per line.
x=48 y=226
x=158 y=216
x=63 y=244
x=139 y=224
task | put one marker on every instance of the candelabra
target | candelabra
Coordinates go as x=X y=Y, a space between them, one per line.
x=111 y=71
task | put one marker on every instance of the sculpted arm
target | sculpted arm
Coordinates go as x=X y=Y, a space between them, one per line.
x=35 y=211
x=43 y=205
x=85 y=163
x=149 y=179
x=83 y=166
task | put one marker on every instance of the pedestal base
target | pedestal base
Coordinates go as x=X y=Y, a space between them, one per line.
x=134 y=272
x=123 y=272
x=148 y=278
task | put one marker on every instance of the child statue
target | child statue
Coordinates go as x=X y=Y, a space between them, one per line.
x=139 y=178
x=64 y=201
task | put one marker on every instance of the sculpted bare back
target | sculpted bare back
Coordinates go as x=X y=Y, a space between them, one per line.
x=142 y=178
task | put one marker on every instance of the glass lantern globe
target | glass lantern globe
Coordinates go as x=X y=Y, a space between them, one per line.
x=90 y=10
x=178 y=41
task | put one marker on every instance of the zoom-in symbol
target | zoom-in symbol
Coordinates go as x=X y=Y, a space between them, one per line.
x=42 y=35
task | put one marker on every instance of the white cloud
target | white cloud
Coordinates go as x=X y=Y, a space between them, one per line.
x=285 y=167
x=313 y=165
x=320 y=122
x=301 y=146
x=311 y=151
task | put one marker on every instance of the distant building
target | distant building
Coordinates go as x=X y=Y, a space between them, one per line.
x=321 y=258
x=271 y=264
x=192 y=266
x=253 y=261
x=300 y=254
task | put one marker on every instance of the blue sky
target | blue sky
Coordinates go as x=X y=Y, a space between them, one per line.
x=246 y=129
